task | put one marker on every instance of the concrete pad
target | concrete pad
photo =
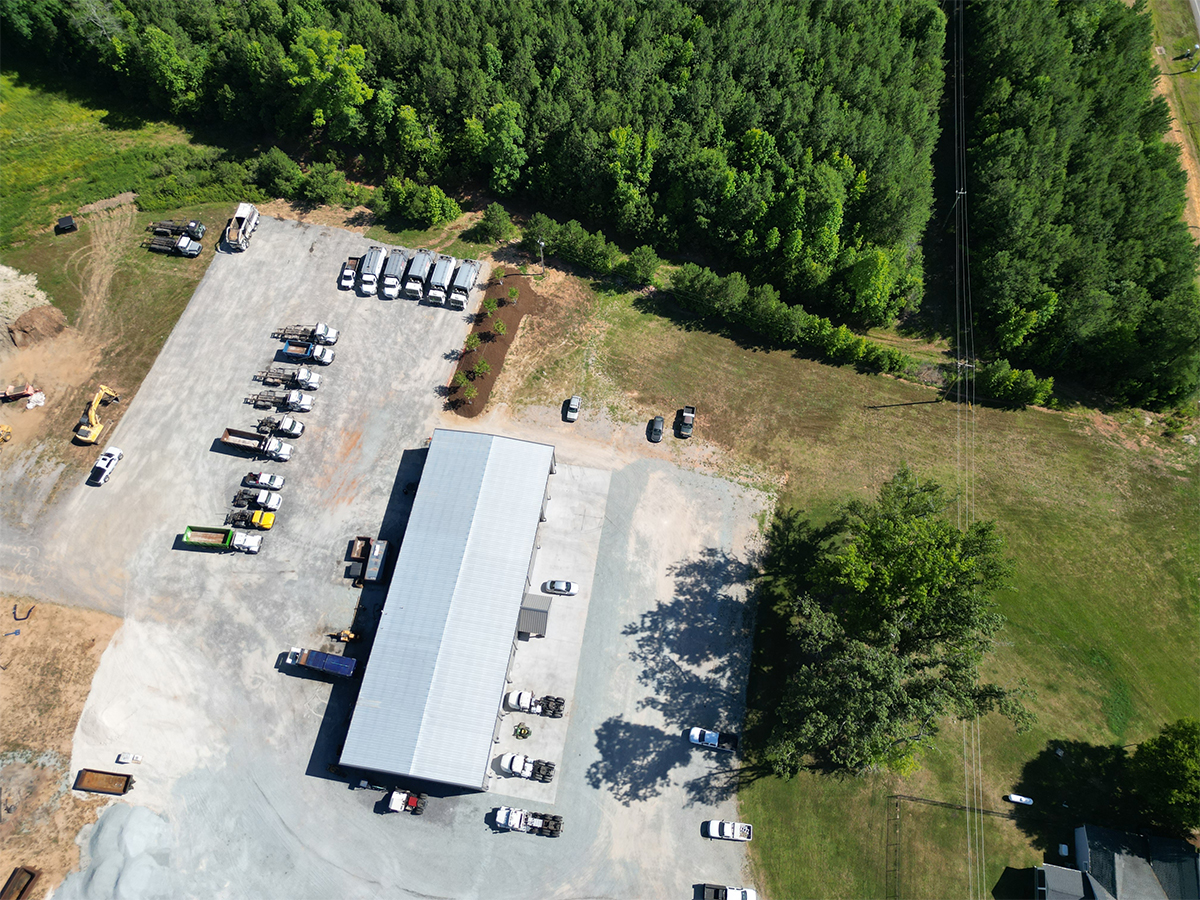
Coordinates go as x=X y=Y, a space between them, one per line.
x=234 y=795
x=568 y=543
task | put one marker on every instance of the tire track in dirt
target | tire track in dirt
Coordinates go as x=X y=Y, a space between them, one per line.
x=109 y=228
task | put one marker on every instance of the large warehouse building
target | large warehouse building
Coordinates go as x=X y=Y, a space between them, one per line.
x=434 y=683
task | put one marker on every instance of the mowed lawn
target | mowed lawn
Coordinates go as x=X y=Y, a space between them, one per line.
x=1100 y=517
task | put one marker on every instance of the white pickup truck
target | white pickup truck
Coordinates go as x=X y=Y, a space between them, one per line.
x=720 y=892
x=713 y=740
x=727 y=831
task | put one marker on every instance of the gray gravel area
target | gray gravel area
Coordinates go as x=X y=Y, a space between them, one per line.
x=234 y=798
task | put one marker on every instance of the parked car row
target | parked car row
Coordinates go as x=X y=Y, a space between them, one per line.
x=256 y=503
x=685 y=420
x=438 y=279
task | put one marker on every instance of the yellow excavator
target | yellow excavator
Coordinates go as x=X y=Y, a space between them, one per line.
x=90 y=426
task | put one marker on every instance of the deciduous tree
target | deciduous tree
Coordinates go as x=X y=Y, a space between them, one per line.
x=891 y=615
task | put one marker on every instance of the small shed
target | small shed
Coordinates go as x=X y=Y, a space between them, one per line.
x=66 y=225
x=535 y=615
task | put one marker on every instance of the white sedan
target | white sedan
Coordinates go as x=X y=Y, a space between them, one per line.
x=1018 y=798
x=564 y=588
x=105 y=464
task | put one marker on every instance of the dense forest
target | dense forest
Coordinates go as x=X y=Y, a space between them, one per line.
x=788 y=140
x=1085 y=266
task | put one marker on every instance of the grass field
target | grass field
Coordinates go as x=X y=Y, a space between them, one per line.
x=1099 y=513
x=1175 y=31
x=59 y=154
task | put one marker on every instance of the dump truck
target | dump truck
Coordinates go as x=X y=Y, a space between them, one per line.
x=513 y=819
x=393 y=274
x=464 y=283
x=342 y=666
x=687 y=420
x=176 y=246
x=369 y=269
x=221 y=539
x=292 y=401
x=301 y=351
x=289 y=377
x=349 y=273
x=262 y=499
x=257 y=444
x=283 y=426
x=97 y=782
x=310 y=334
x=418 y=271
x=192 y=228
x=245 y=518
x=439 y=281
x=241 y=226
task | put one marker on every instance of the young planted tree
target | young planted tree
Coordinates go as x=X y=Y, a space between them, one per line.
x=514 y=294
x=499 y=327
x=490 y=305
x=459 y=380
x=471 y=344
x=481 y=368
x=890 y=616
x=470 y=392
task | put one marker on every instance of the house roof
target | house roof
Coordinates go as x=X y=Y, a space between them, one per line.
x=433 y=684
x=1138 y=867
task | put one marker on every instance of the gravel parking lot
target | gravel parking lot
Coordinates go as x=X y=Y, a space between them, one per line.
x=234 y=798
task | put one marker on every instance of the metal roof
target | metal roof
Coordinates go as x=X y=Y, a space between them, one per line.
x=535 y=614
x=433 y=684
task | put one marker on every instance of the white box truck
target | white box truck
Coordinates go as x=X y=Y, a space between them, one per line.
x=464 y=283
x=393 y=275
x=418 y=271
x=369 y=269
x=439 y=281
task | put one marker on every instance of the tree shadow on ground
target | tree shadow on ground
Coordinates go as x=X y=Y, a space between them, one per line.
x=694 y=651
x=1082 y=786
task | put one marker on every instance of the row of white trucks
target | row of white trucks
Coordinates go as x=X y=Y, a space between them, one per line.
x=256 y=504
x=440 y=279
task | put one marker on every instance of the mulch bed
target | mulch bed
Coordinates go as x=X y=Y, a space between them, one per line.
x=494 y=347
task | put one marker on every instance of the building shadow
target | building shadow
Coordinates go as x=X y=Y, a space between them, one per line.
x=335 y=723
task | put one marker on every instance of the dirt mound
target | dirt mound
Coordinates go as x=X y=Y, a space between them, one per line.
x=36 y=325
x=18 y=293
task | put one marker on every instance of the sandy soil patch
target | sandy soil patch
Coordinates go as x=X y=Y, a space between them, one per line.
x=19 y=293
x=1187 y=159
x=48 y=670
x=358 y=219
